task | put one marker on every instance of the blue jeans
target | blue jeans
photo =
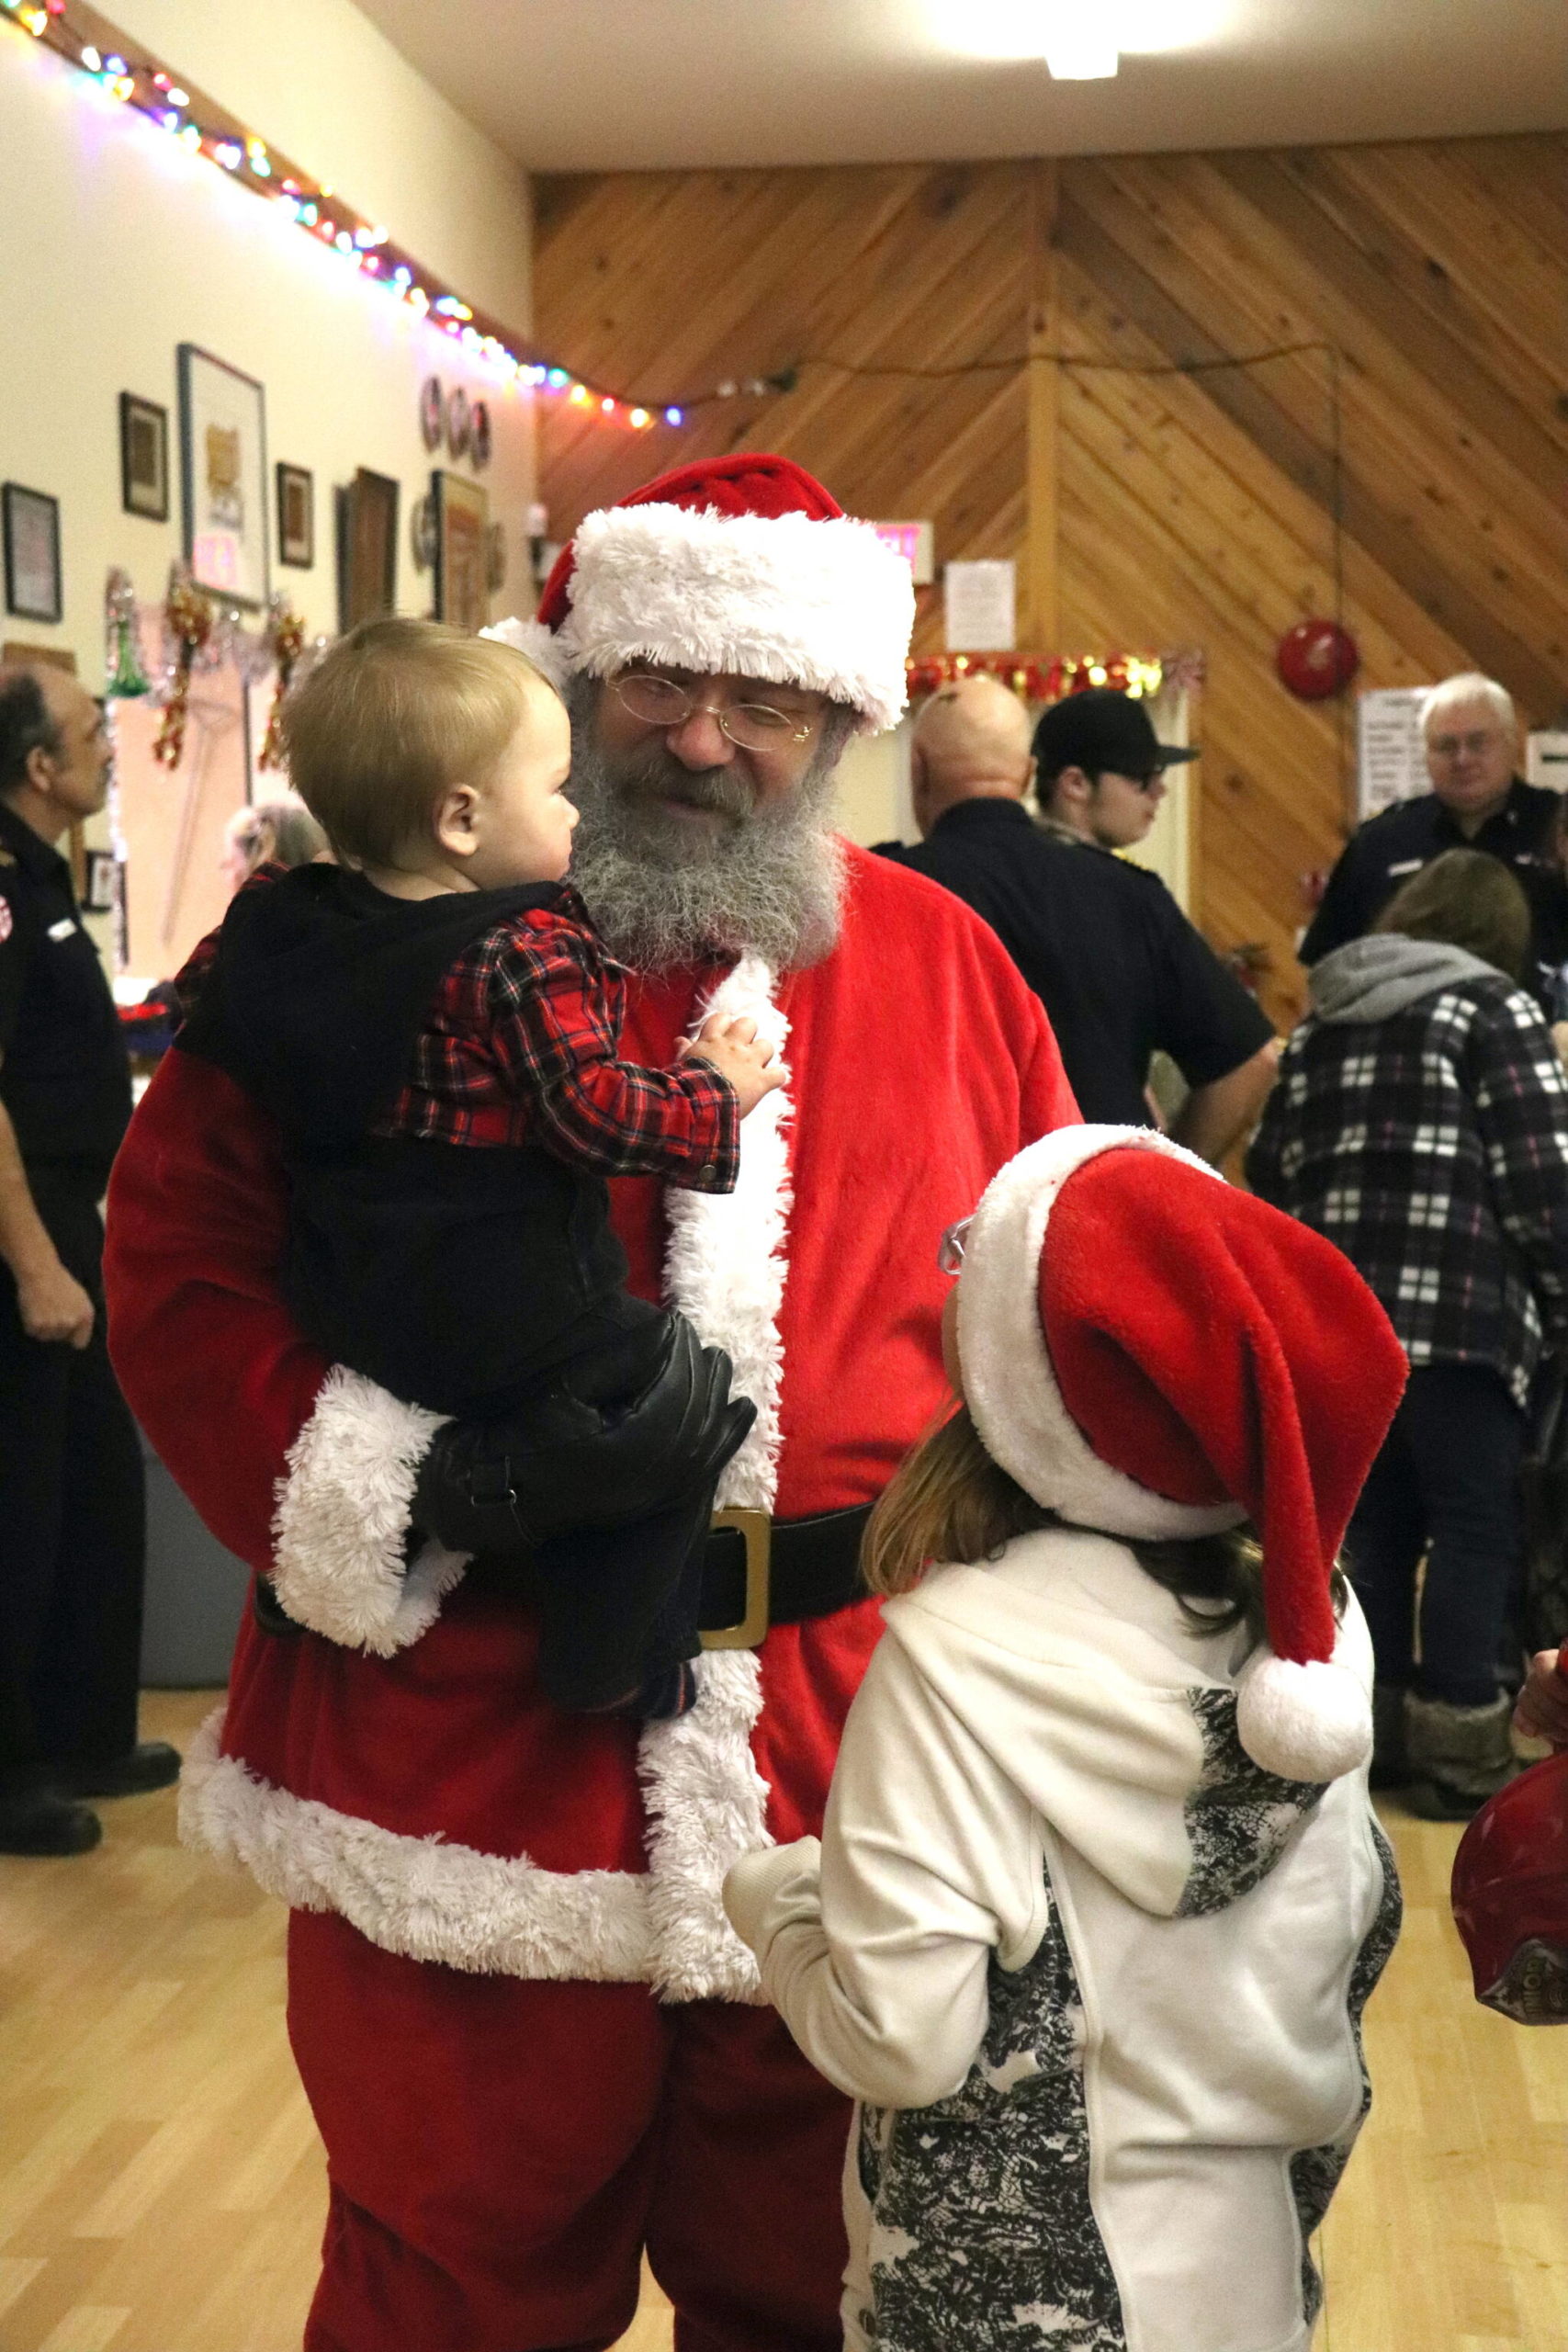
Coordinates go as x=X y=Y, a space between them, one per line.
x=1446 y=1483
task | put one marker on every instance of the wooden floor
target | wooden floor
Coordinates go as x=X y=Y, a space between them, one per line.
x=161 y=2187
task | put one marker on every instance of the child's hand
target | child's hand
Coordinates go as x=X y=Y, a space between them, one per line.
x=734 y=1049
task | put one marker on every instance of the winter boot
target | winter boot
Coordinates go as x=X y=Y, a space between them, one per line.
x=1391 y=1760
x=1459 y=1755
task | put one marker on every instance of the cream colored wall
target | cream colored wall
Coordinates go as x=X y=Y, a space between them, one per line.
x=318 y=81
x=119 y=247
x=873 y=803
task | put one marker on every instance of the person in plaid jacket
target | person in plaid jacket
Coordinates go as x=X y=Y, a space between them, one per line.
x=435 y=1026
x=1420 y=1122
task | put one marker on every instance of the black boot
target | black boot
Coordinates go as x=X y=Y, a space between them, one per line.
x=153 y=1765
x=38 y=1822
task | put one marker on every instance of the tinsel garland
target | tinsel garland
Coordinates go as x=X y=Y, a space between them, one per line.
x=188 y=615
x=1040 y=680
x=286 y=643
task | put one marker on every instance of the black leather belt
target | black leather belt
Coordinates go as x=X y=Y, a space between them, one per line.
x=757 y=1572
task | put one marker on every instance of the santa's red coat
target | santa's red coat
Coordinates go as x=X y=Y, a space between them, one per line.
x=398 y=1764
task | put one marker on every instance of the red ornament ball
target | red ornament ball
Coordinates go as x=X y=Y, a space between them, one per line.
x=1317 y=658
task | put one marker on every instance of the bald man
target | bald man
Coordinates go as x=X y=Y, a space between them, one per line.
x=1103 y=944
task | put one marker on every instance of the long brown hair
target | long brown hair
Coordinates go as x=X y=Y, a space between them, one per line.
x=1465 y=898
x=949 y=1500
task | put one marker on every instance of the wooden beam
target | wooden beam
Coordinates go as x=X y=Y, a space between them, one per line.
x=1040 y=613
x=1239 y=393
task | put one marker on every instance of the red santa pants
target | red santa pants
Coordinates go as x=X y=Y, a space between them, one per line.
x=500 y=2152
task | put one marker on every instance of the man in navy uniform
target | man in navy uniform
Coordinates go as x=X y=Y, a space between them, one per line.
x=72 y=1516
x=1477 y=801
x=1103 y=944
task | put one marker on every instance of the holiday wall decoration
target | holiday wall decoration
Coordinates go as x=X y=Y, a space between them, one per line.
x=1317 y=658
x=188 y=617
x=1049 y=680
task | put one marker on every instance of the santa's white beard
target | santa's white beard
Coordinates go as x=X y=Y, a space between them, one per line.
x=664 y=891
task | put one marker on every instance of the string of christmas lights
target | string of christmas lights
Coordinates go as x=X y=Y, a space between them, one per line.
x=1050 y=679
x=88 y=40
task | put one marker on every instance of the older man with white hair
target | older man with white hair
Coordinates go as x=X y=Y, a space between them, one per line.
x=1478 y=800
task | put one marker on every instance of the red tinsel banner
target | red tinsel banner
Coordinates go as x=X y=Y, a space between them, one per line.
x=187 y=615
x=1049 y=680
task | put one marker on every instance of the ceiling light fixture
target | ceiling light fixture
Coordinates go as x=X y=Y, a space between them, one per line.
x=1079 y=51
x=1076 y=46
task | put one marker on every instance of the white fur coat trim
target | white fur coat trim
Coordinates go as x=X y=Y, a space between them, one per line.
x=706 y=1800
x=1009 y=1380
x=806 y=603
x=343 y=1518
x=419 y=1896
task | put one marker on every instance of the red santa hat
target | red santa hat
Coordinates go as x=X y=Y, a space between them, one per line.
x=1152 y=1352
x=742 y=564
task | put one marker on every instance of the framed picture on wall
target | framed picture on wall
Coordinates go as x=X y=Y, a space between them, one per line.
x=295 y=517
x=98 y=888
x=143 y=458
x=367 y=547
x=462 y=550
x=224 y=477
x=29 y=523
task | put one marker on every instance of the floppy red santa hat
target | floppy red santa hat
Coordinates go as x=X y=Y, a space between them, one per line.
x=742 y=565
x=1154 y=1354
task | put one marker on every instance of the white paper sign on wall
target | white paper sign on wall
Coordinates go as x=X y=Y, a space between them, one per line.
x=980 y=606
x=1546 y=758
x=1390 y=759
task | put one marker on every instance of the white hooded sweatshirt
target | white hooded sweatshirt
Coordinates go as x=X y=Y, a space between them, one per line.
x=1095 y=1977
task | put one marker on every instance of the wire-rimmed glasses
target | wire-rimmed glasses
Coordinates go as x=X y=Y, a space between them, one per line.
x=749 y=725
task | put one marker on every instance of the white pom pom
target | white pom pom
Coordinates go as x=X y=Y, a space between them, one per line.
x=1305 y=1722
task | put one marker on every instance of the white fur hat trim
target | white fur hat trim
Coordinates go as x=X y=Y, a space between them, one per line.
x=1309 y=1721
x=802 y=600
x=1010 y=1383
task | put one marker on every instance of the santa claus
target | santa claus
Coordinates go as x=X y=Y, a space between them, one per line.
x=532 y=2043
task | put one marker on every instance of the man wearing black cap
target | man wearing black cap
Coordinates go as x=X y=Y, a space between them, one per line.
x=1104 y=946
x=1100 y=768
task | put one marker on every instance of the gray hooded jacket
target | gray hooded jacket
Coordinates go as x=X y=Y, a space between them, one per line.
x=1420 y=1122
x=1371 y=978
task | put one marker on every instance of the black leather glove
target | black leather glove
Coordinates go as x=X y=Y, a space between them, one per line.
x=501 y=1486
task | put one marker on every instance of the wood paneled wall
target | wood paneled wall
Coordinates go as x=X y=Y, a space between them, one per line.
x=1146 y=510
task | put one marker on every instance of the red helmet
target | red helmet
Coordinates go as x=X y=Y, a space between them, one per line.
x=1511 y=1896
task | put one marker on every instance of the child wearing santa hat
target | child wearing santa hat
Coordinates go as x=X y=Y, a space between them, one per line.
x=1100 y=1894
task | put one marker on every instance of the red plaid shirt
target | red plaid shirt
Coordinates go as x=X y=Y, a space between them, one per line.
x=520 y=1046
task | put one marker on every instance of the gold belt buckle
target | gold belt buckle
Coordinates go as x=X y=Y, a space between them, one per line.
x=756 y=1529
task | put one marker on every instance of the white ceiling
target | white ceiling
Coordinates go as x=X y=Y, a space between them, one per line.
x=627 y=85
